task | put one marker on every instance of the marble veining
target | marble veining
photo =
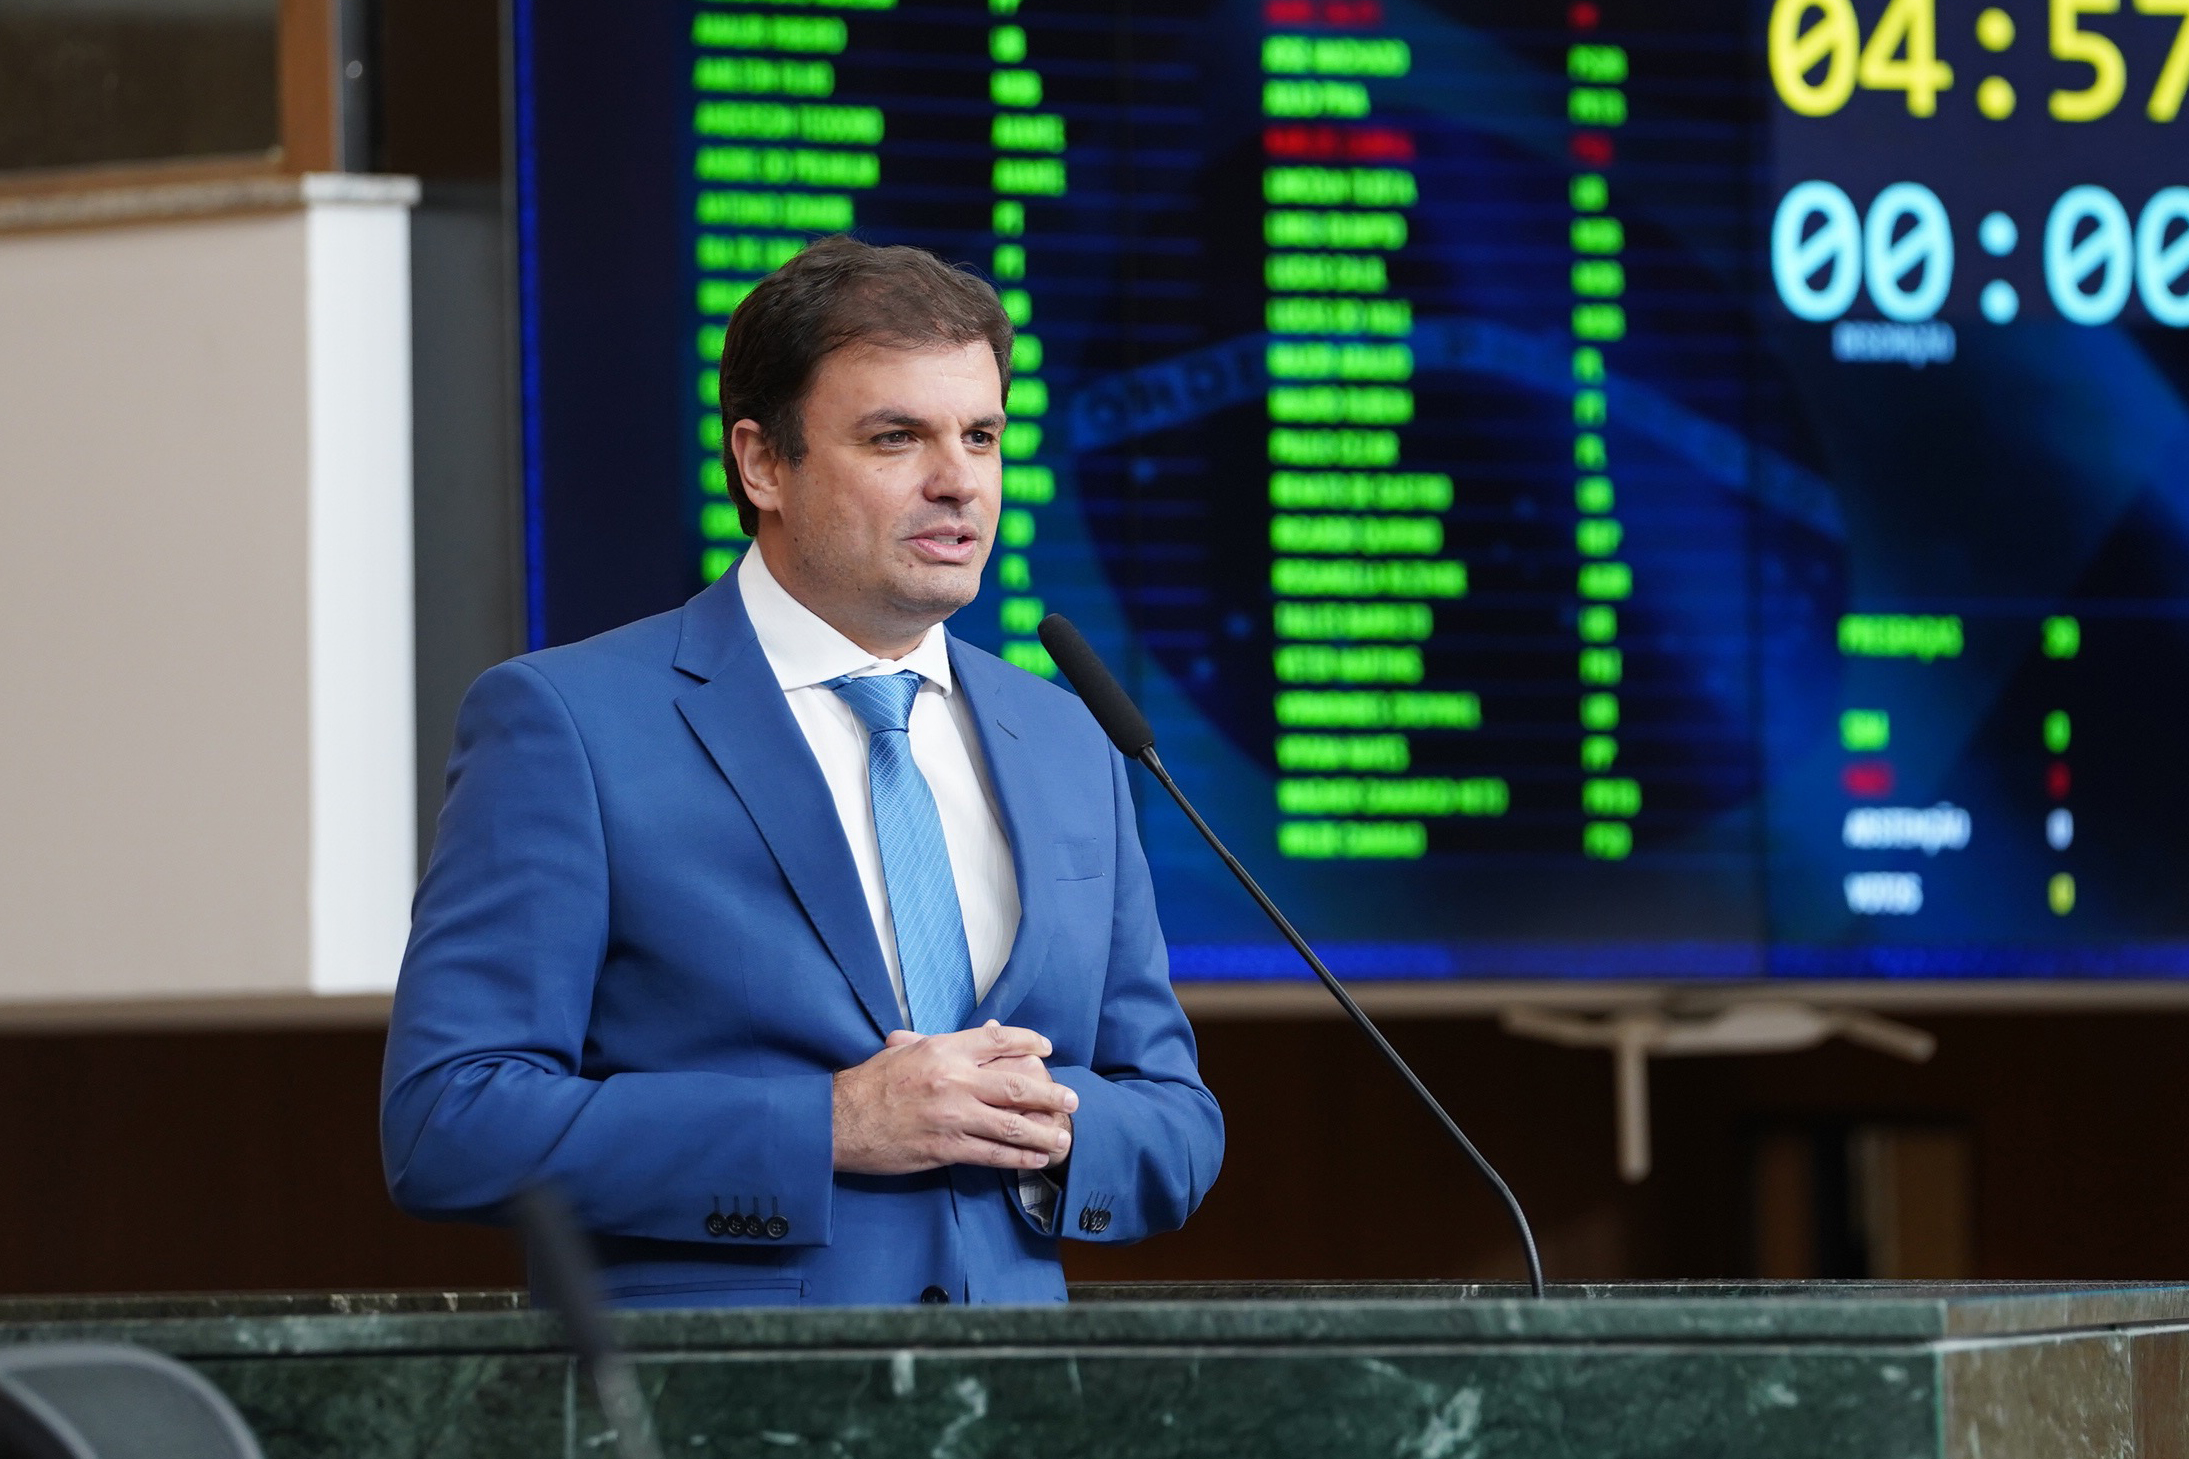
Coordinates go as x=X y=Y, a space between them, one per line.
x=1861 y=1371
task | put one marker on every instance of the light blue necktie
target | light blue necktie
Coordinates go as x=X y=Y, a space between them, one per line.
x=923 y=899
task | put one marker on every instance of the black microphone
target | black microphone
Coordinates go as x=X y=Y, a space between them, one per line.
x=1128 y=729
x=571 y=1281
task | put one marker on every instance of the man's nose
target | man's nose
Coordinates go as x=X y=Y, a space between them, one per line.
x=956 y=475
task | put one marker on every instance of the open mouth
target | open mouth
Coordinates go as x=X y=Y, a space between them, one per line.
x=946 y=546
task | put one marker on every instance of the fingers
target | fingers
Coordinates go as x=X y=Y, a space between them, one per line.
x=1043 y=1117
x=1001 y=1089
x=902 y=1038
x=993 y=1040
x=1022 y=1066
x=972 y=1150
x=1019 y=1131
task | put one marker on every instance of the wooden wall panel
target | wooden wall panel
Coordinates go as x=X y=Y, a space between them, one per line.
x=210 y=1162
x=240 y=1161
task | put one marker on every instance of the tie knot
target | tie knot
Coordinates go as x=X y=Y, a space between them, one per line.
x=883 y=701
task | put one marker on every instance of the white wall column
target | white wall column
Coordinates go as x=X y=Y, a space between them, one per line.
x=206 y=687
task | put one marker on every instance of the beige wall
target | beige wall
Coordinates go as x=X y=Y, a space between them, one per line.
x=205 y=658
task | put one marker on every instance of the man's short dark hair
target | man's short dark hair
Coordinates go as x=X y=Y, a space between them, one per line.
x=838 y=292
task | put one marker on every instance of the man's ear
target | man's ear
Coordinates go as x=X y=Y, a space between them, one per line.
x=758 y=466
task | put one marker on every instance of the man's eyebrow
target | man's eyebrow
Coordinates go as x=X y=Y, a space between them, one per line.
x=895 y=418
x=892 y=416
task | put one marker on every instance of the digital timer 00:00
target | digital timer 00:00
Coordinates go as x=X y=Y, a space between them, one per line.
x=1904 y=249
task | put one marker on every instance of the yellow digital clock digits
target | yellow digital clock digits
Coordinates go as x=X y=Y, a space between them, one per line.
x=2070 y=42
x=1795 y=52
x=1818 y=57
x=1902 y=55
x=2165 y=103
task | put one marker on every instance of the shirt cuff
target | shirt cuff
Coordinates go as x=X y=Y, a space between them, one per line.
x=1038 y=1196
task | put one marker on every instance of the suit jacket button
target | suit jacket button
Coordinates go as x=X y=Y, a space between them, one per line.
x=934 y=1295
x=744 y=1225
x=778 y=1227
x=718 y=1224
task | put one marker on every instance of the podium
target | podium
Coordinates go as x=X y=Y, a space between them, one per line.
x=1418 y=1371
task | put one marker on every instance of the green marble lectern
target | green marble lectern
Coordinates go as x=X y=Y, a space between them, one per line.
x=1430 y=1371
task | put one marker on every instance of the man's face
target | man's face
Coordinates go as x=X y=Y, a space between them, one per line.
x=884 y=527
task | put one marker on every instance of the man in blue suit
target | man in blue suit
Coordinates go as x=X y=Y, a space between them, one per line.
x=809 y=951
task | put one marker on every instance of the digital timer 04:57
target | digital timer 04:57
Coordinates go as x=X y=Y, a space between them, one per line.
x=1818 y=57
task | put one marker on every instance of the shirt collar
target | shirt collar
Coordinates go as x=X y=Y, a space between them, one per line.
x=803 y=649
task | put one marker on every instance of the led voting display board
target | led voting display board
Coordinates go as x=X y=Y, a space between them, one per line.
x=1637 y=488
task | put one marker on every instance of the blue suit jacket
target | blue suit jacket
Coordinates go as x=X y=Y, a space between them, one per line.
x=641 y=950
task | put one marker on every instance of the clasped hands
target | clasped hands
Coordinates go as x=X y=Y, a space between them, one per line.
x=979 y=1097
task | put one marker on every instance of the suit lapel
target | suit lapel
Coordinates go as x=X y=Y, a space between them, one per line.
x=739 y=714
x=1014 y=772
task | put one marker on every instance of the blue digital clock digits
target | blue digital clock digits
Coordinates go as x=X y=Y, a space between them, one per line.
x=1924 y=253
x=2088 y=273
x=2162 y=256
x=1798 y=255
x=1823 y=253
x=1909 y=271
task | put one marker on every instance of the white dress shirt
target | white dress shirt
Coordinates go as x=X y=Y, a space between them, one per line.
x=805 y=653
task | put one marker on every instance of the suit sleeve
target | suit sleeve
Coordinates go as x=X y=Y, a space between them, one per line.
x=484 y=1094
x=1147 y=1138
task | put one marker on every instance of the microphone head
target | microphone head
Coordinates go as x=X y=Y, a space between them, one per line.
x=1098 y=688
